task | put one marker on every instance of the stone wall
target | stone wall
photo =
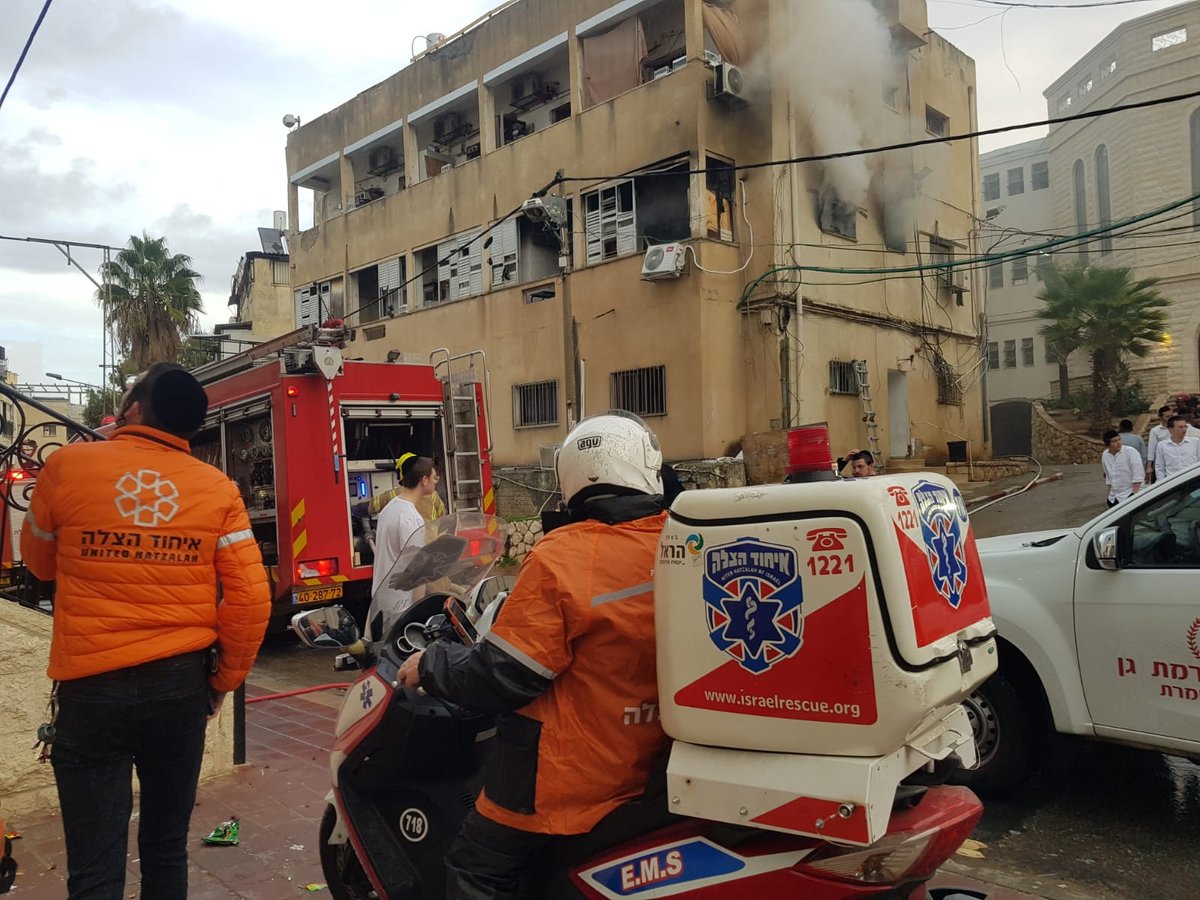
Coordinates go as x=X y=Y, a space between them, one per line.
x=27 y=786
x=1054 y=445
x=987 y=470
x=524 y=492
x=522 y=535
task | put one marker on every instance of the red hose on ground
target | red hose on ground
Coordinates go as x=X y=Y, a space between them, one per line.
x=296 y=693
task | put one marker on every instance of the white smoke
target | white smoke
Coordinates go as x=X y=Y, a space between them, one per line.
x=841 y=63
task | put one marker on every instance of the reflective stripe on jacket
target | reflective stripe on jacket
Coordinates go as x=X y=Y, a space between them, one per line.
x=577 y=636
x=137 y=534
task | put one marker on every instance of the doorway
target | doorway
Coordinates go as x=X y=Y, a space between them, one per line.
x=899 y=427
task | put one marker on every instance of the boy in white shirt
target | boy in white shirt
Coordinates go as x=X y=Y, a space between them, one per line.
x=1123 y=471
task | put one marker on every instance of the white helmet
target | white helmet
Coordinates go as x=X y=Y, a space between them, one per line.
x=613 y=450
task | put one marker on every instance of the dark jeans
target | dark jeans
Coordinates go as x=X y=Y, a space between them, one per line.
x=151 y=717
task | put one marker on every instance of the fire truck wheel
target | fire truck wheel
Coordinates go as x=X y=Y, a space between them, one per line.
x=343 y=872
x=1006 y=729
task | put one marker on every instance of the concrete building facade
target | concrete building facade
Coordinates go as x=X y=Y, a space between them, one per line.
x=261 y=294
x=1018 y=212
x=630 y=118
x=1110 y=168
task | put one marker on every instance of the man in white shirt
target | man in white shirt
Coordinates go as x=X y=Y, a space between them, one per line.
x=1123 y=471
x=1176 y=453
x=1160 y=432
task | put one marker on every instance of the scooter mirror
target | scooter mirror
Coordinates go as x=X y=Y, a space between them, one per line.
x=332 y=626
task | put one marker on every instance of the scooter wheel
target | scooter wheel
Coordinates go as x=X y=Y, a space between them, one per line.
x=343 y=872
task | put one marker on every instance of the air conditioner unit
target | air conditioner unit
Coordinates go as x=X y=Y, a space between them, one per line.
x=380 y=160
x=958 y=281
x=546 y=454
x=447 y=126
x=526 y=89
x=731 y=85
x=664 y=261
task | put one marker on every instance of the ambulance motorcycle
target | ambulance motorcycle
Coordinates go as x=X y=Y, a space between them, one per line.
x=815 y=644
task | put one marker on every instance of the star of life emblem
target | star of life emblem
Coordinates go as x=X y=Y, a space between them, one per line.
x=943 y=518
x=752 y=601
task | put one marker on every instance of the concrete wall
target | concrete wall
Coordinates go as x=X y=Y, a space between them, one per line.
x=268 y=305
x=730 y=369
x=26 y=785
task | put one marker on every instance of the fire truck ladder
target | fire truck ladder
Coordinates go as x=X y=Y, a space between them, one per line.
x=868 y=414
x=460 y=376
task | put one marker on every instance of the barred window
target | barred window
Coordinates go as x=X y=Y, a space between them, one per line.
x=535 y=405
x=842 y=378
x=640 y=391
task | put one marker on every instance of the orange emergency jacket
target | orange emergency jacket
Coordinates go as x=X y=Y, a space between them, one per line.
x=137 y=534
x=581 y=614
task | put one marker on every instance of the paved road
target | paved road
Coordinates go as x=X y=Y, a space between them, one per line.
x=1101 y=823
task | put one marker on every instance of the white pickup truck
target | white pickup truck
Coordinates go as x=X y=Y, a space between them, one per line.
x=1099 y=634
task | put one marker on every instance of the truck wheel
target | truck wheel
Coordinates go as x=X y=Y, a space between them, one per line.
x=343 y=872
x=1005 y=730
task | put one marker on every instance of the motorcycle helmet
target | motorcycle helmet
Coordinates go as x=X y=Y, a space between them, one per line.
x=611 y=453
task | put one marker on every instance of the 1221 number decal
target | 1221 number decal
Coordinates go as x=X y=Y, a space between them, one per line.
x=831 y=565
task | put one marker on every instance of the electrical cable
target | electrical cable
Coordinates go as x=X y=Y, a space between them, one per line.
x=750 y=231
x=25 y=50
x=906 y=145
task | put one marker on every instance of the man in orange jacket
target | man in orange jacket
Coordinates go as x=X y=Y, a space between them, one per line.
x=570 y=662
x=137 y=534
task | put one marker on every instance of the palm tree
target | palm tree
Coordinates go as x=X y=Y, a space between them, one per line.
x=1062 y=339
x=154 y=302
x=1110 y=314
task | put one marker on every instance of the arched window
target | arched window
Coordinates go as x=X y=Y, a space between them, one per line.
x=1103 y=200
x=1196 y=165
x=1081 y=216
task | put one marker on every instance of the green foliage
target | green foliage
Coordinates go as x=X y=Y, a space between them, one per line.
x=153 y=301
x=1109 y=315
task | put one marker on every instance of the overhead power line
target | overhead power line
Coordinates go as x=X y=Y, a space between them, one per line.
x=1013 y=4
x=905 y=145
x=25 y=50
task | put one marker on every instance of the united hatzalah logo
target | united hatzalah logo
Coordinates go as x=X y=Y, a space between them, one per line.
x=753 y=599
x=942 y=531
x=147 y=498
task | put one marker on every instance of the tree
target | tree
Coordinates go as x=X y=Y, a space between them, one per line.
x=1111 y=314
x=1062 y=339
x=154 y=301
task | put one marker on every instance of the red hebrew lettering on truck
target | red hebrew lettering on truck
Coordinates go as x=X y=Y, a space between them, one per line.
x=941 y=564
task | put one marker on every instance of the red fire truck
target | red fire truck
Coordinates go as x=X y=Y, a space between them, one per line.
x=308 y=436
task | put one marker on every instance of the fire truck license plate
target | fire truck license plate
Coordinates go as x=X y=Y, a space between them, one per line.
x=318 y=595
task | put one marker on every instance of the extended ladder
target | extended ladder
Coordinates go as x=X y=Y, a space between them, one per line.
x=868 y=414
x=461 y=393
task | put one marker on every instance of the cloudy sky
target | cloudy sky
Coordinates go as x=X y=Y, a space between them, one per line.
x=164 y=116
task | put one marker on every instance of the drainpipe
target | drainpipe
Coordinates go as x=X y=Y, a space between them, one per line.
x=796 y=408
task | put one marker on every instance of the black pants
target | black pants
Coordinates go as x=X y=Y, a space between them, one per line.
x=151 y=717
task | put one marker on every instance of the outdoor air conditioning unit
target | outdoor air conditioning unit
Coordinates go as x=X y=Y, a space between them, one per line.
x=664 y=261
x=526 y=89
x=445 y=127
x=546 y=454
x=380 y=160
x=958 y=281
x=730 y=87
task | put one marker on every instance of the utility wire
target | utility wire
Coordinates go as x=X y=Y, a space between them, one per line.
x=906 y=145
x=25 y=50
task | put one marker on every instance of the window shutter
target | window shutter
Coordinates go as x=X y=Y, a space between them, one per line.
x=504 y=252
x=307 y=307
x=389 y=276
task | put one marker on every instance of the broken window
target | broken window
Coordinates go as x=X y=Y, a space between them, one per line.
x=1016 y=181
x=625 y=217
x=642 y=392
x=720 y=186
x=1039 y=176
x=936 y=123
x=453 y=270
x=522 y=250
x=991 y=186
x=642 y=47
x=380 y=290
x=891 y=96
x=530 y=100
x=835 y=216
x=535 y=405
x=993 y=355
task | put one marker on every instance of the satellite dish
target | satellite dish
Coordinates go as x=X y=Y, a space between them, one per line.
x=290 y=121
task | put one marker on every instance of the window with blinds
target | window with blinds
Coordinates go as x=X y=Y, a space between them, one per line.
x=610 y=222
x=506 y=242
x=460 y=266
